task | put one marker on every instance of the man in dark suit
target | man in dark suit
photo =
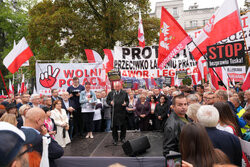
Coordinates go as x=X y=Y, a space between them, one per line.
x=118 y=99
x=34 y=121
x=54 y=95
x=68 y=106
x=208 y=116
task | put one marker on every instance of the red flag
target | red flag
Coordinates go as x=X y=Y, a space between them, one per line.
x=246 y=84
x=153 y=82
x=17 y=56
x=214 y=80
x=222 y=24
x=141 y=32
x=92 y=56
x=110 y=57
x=194 y=82
x=172 y=38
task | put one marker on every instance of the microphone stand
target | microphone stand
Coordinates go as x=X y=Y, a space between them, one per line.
x=113 y=111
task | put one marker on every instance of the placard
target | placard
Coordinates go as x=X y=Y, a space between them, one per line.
x=181 y=74
x=229 y=54
x=114 y=75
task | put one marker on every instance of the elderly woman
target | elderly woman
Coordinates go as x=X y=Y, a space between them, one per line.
x=62 y=123
x=142 y=111
x=88 y=100
x=192 y=111
x=22 y=111
x=161 y=113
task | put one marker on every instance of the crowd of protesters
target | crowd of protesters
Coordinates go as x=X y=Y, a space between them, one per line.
x=202 y=124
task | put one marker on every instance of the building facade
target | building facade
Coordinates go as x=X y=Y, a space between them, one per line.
x=191 y=19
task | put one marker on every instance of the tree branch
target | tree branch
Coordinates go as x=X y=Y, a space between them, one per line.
x=98 y=15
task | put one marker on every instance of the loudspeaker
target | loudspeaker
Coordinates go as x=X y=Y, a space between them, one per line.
x=136 y=146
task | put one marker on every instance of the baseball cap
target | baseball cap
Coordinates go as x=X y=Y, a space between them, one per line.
x=11 y=141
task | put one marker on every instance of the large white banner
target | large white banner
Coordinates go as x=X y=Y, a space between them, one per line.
x=142 y=62
x=59 y=76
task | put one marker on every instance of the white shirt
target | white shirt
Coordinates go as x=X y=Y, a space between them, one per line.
x=225 y=128
x=97 y=114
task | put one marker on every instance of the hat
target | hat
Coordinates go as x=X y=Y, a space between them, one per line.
x=11 y=141
x=10 y=106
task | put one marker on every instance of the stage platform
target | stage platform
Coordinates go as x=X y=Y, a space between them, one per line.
x=101 y=152
x=101 y=145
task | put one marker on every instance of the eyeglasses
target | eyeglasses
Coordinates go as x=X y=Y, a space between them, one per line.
x=29 y=149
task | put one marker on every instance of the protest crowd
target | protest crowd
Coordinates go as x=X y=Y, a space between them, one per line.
x=204 y=125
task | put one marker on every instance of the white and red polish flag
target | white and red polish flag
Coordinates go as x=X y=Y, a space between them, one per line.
x=221 y=71
x=22 y=84
x=110 y=59
x=246 y=83
x=92 y=56
x=141 y=32
x=26 y=87
x=18 y=89
x=224 y=22
x=11 y=91
x=173 y=38
x=17 y=56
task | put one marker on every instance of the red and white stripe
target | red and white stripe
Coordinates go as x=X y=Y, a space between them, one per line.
x=92 y=56
x=17 y=56
x=109 y=58
x=11 y=91
x=222 y=24
x=141 y=32
x=246 y=83
x=18 y=89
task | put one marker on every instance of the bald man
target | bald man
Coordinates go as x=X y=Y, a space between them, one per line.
x=34 y=121
x=118 y=99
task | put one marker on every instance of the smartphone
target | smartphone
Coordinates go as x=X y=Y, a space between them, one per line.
x=173 y=159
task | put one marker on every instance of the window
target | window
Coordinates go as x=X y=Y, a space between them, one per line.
x=175 y=12
x=193 y=23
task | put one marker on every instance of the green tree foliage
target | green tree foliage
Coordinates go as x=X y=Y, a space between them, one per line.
x=64 y=28
x=13 y=26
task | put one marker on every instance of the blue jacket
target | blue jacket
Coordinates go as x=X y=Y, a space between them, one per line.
x=83 y=100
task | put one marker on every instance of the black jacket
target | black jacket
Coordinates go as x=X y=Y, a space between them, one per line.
x=172 y=131
x=120 y=112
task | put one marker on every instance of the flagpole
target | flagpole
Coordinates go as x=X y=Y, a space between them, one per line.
x=4 y=83
x=207 y=60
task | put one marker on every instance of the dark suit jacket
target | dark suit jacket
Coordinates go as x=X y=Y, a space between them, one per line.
x=19 y=122
x=228 y=143
x=120 y=113
x=53 y=99
x=64 y=107
x=55 y=151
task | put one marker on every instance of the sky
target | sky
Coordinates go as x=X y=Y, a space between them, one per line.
x=201 y=3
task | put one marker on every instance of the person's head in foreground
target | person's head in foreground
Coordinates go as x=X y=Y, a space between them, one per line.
x=197 y=148
x=13 y=146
